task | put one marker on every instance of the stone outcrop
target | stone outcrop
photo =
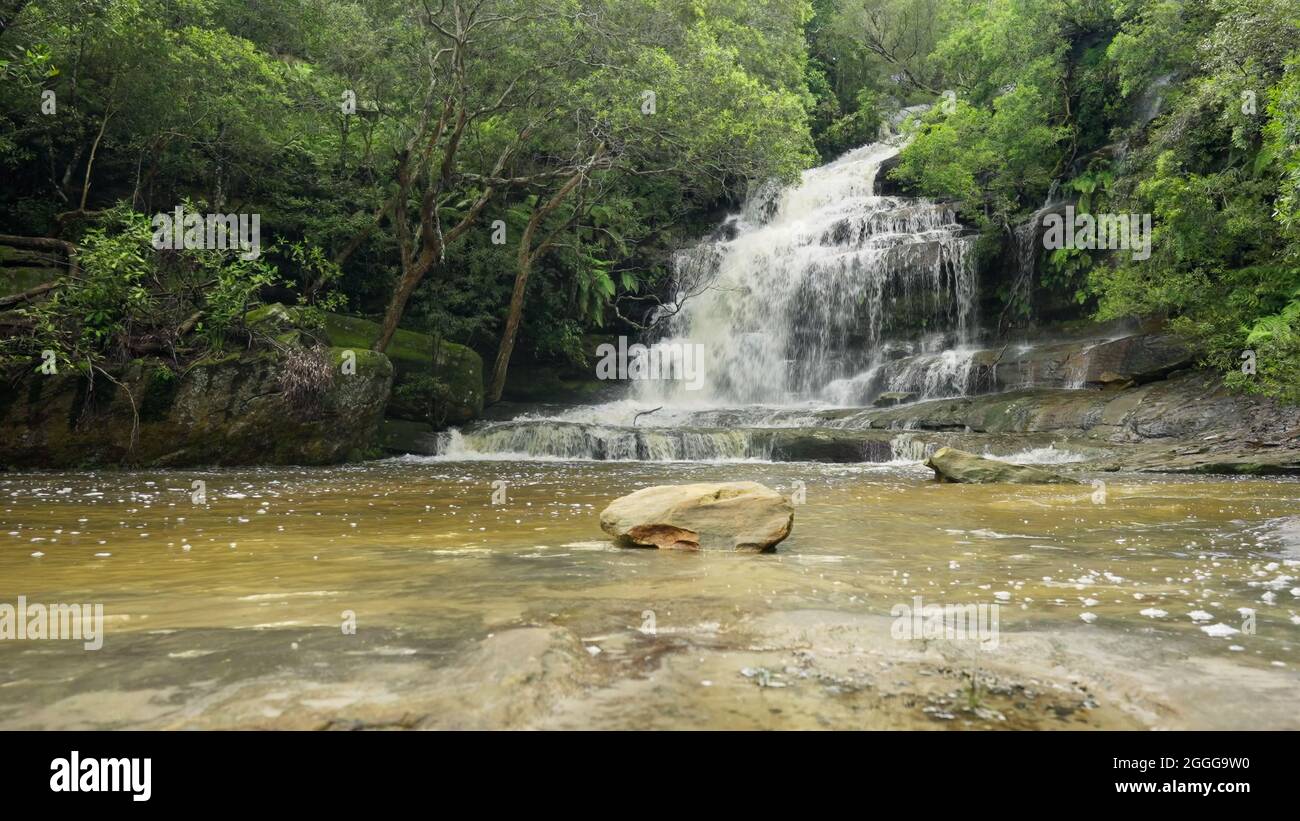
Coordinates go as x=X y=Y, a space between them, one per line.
x=227 y=410
x=743 y=516
x=1137 y=359
x=437 y=384
x=1187 y=422
x=958 y=466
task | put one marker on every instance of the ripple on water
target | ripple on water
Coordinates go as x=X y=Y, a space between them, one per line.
x=432 y=563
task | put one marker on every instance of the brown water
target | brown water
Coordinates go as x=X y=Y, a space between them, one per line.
x=230 y=613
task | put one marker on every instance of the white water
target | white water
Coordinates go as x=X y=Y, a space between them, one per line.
x=818 y=296
x=806 y=286
x=532 y=440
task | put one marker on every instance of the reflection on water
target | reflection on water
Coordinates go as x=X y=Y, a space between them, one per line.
x=1174 y=602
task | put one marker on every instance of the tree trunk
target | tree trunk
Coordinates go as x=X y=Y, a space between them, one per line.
x=90 y=163
x=527 y=255
x=513 y=318
x=434 y=243
x=406 y=286
x=64 y=247
x=7 y=302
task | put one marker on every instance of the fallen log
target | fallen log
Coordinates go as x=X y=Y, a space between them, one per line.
x=7 y=302
x=62 y=246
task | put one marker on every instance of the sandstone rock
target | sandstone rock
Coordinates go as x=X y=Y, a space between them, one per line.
x=817 y=445
x=1141 y=359
x=743 y=516
x=1111 y=381
x=273 y=318
x=952 y=465
x=441 y=384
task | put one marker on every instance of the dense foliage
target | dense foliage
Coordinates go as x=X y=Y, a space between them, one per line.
x=1187 y=111
x=482 y=169
x=390 y=138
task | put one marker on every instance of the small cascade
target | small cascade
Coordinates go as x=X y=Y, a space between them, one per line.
x=1152 y=99
x=534 y=439
x=938 y=375
x=927 y=374
x=1027 y=249
x=906 y=448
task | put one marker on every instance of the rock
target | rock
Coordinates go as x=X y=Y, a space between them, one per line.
x=1146 y=427
x=743 y=516
x=952 y=465
x=886 y=185
x=223 y=410
x=890 y=398
x=821 y=445
x=1132 y=359
x=404 y=436
x=274 y=318
x=1111 y=381
x=442 y=390
x=1140 y=359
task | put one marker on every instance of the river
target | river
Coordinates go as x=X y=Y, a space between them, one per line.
x=1123 y=611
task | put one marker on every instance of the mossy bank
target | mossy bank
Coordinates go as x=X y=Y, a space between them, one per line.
x=227 y=410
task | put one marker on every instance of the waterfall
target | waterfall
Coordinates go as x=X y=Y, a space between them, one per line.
x=810 y=285
x=904 y=448
x=1028 y=248
x=809 y=305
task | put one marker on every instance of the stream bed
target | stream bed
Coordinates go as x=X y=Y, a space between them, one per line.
x=484 y=594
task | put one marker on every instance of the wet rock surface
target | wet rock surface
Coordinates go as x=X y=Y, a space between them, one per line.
x=1186 y=422
x=952 y=465
x=1189 y=421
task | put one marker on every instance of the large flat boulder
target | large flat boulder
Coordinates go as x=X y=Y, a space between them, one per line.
x=952 y=465
x=744 y=516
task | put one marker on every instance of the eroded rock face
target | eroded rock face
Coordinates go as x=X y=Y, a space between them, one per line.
x=229 y=410
x=952 y=465
x=744 y=516
x=1138 y=359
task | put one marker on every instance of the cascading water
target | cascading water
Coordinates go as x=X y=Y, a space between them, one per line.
x=813 y=299
x=807 y=286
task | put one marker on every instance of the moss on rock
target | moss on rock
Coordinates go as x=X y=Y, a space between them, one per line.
x=446 y=389
x=224 y=410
